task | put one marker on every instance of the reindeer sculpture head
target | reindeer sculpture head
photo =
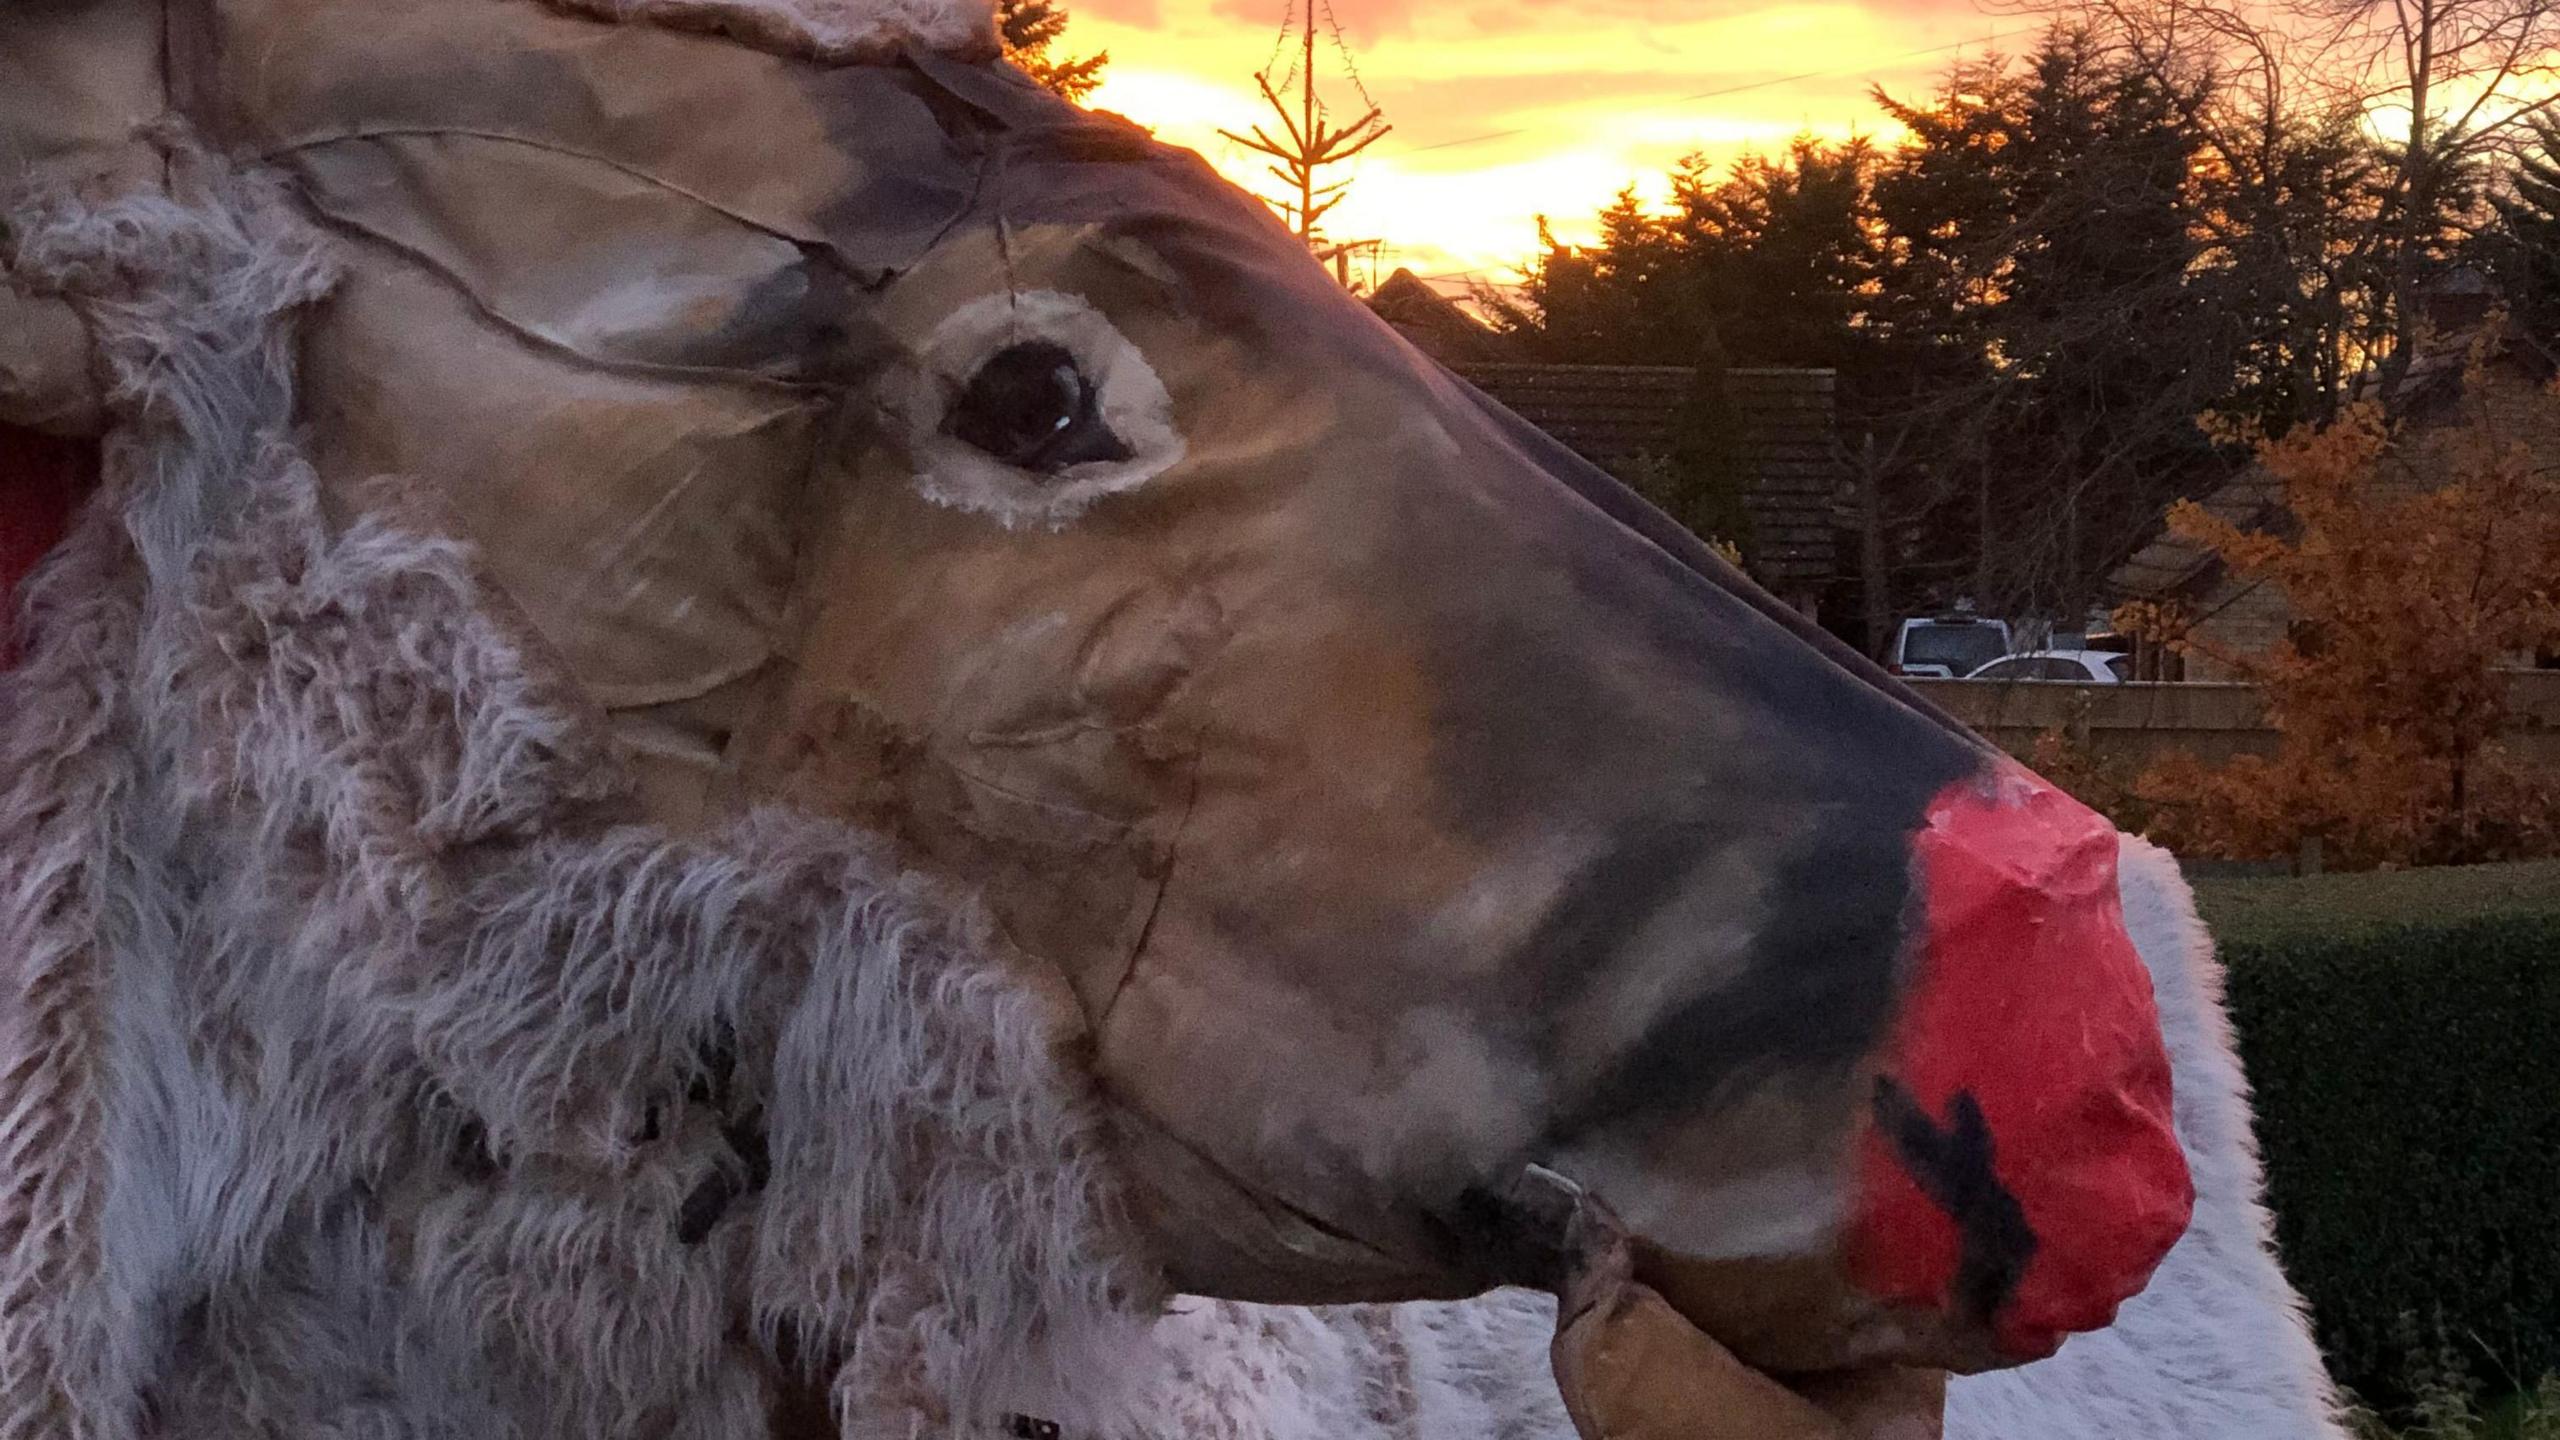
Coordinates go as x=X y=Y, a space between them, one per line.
x=1406 y=805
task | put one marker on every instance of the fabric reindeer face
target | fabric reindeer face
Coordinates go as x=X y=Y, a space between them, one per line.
x=872 y=436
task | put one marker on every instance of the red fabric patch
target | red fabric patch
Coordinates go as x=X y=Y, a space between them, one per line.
x=42 y=481
x=2026 y=1082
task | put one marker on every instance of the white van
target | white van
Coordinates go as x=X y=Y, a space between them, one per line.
x=1946 y=646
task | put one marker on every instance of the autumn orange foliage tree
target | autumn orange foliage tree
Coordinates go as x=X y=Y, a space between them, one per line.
x=2410 y=600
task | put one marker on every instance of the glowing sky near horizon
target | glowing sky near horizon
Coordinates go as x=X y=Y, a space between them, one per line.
x=1601 y=93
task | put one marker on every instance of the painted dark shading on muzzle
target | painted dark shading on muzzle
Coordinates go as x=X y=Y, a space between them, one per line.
x=1821 y=998
x=1859 y=945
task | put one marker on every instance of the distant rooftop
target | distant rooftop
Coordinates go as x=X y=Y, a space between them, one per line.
x=1437 y=325
x=1611 y=414
x=2172 y=564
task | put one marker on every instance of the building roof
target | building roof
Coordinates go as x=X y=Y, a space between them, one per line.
x=2172 y=565
x=2435 y=374
x=2464 y=306
x=1611 y=414
x=1436 y=325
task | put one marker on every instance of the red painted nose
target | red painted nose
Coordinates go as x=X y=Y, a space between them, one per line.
x=2021 y=1175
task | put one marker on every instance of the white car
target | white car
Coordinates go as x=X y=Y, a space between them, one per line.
x=2076 y=667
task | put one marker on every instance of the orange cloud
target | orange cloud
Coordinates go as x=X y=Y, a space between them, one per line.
x=1507 y=110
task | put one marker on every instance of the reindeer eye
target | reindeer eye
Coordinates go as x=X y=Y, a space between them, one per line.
x=1027 y=406
x=1032 y=407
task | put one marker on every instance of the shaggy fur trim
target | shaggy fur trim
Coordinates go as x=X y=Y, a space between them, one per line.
x=363 y=1072
x=830 y=31
x=1223 y=1370
x=179 y=296
x=1365 y=1372
x=66 y=766
x=180 y=292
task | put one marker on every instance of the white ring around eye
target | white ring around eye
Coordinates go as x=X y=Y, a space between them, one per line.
x=1128 y=396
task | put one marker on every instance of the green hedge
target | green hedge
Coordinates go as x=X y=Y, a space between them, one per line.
x=2403 y=1034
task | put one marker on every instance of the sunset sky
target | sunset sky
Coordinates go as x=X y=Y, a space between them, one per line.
x=1604 y=92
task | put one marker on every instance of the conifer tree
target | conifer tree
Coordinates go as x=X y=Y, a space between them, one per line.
x=1029 y=28
x=2526 y=247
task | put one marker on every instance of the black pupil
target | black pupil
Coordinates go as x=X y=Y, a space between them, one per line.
x=1031 y=406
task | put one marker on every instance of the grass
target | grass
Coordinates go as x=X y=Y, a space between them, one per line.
x=2254 y=911
x=2448 y=1410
